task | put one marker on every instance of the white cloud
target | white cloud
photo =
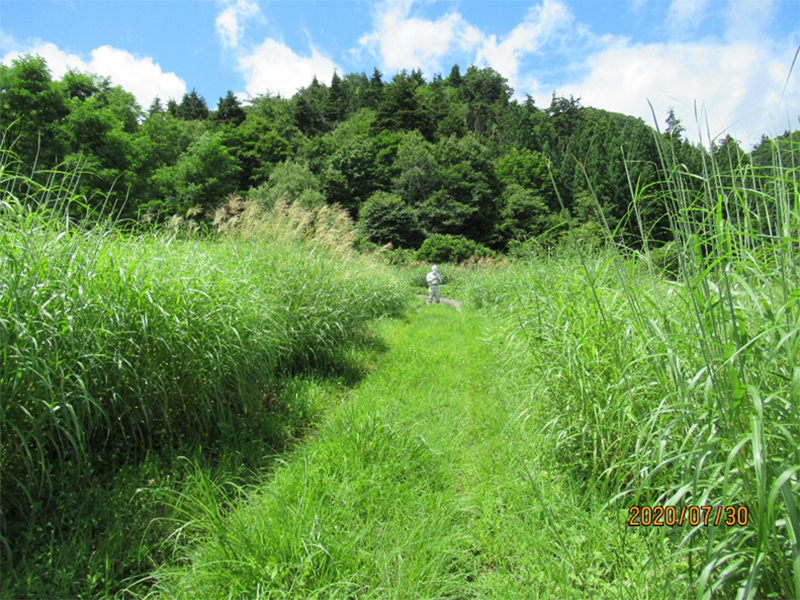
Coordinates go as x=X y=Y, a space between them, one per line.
x=402 y=41
x=685 y=15
x=747 y=20
x=58 y=61
x=229 y=21
x=540 y=24
x=735 y=87
x=140 y=76
x=273 y=67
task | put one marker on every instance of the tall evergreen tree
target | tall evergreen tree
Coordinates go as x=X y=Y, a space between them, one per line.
x=309 y=108
x=675 y=129
x=335 y=101
x=565 y=117
x=417 y=78
x=355 y=88
x=193 y=107
x=156 y=108
x=400 y=110
x=229 y=111
x=485 y=93
x=374 y=92
x=455 y=77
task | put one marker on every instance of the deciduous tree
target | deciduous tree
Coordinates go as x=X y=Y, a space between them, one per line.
x=385 y=219
x=202 y=177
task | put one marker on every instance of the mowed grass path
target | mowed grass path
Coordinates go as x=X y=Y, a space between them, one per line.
x=425 y=483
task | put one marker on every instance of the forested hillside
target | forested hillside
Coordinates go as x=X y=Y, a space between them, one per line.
x=408 y=157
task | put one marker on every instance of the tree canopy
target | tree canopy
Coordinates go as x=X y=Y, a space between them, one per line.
x=411 y=158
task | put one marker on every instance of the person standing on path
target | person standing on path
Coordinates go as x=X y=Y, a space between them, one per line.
x=434 y=279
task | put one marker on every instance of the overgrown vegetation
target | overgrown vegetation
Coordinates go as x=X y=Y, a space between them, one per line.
x=427 y=483
x=155 y=368
x=469 y=474
x=683 y=392
x=115 y=346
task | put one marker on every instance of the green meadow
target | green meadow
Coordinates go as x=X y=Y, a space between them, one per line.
x=260 y=411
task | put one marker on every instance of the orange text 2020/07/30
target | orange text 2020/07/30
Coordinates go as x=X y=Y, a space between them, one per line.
x=670 y=516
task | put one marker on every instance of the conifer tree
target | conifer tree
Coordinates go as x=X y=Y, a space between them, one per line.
x=229 y=110
x=400 y=110
x=335 y=102
x=193 y=107
x=455 y=77
x=675 y=128
x=309 y=108
x=374 y=91
x=156 y=108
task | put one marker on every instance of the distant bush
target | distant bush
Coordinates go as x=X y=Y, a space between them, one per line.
x=386 y=219
x=589 y=236
x=205 y=172
x=400 y=256
x=290 y=182
x=525 y=250
x=523 y=214
x=440 y=248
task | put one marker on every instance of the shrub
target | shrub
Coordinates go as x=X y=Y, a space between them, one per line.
x=386 y=219
x=589 y=236
x=400 y=256
x=291 y=182
x=525 y=250
x=440 y=248
x=523 y=214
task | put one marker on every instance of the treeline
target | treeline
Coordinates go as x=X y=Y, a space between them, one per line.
x=408 y=158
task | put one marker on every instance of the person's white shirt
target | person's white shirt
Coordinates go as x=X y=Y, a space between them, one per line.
x=433 y=277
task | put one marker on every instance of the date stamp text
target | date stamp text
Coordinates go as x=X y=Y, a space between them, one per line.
x=670 y=516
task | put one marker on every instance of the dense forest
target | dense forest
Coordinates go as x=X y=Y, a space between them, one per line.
x=408 y=158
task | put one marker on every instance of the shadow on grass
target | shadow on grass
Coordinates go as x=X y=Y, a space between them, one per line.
x=109 y=522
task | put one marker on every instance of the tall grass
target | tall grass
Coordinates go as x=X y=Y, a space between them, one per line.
x=113 y=344
x=368 y=508
x=686 y=392
x=428 y=482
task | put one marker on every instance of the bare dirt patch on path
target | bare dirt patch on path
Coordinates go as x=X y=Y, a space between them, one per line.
x=446 y=301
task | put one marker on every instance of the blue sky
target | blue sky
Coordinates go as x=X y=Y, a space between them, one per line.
x=726 y=60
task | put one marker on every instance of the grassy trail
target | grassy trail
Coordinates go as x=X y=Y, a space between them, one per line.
x=425 y=483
